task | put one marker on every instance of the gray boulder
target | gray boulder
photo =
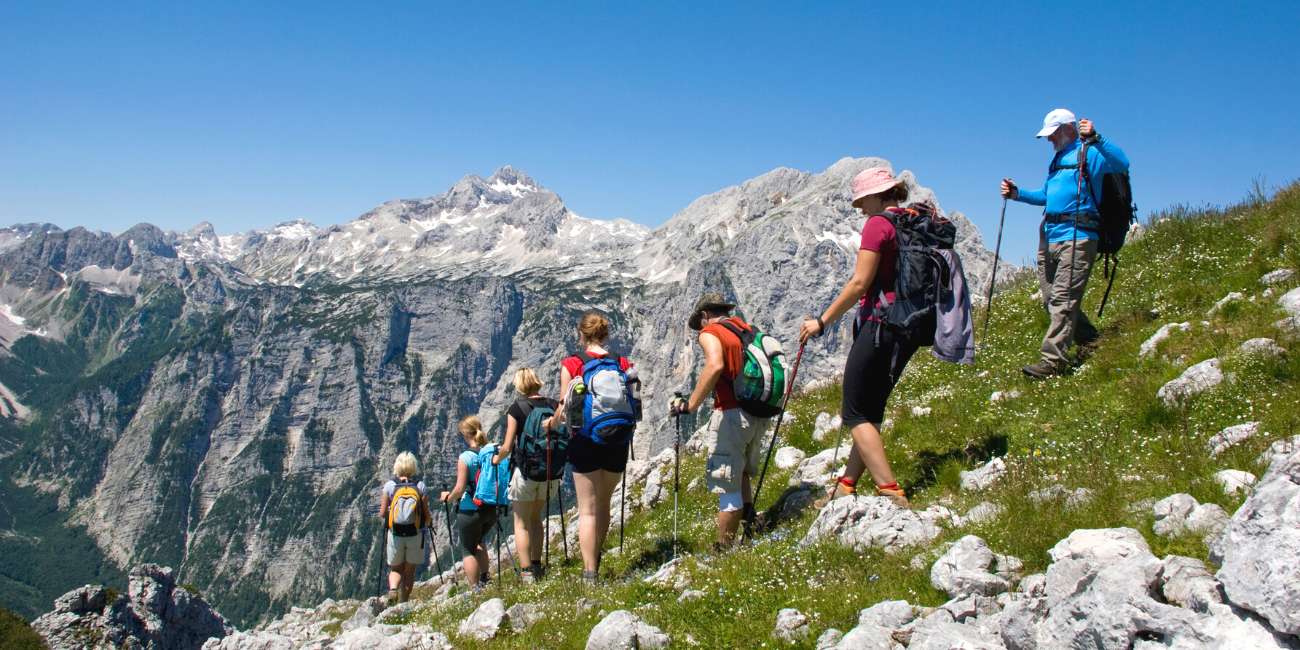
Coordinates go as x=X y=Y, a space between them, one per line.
x=1263 y=347
x=867 y=637
x=523 y=615
x=889 y=614
x=825 y=424
x=392 y=637
x=1230 y=436
x=983 y=476
x=787 y=457
x=1279 y=450
x=946 y=636
x=623 y=630
x=1259 y=568
x=1098 y=594
x=829 y=639
x=1276 y=277
x=964 y=570
x=982 y=513
x=1181 y=514
x=1235 y=296
x=365 y=615
x=1185 y=582
x=791 y=626
x=1194 y=381
x=862 y=522
x=251 y=640
x=485 y=622
x=1234 y=481
x=1153 y=342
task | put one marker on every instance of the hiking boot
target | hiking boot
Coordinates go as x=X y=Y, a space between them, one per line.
x=1042 y=370
x=896 y=495
x=840 y=490
x=590 y=577
x=391 y=598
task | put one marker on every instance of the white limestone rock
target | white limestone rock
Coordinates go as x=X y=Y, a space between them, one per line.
x=1194 y=381
x=791 y=626
x=1234 y=481
x=623 y=630
x=486 y=620
x=1150 y=345
x=1276 y=277
x=1258 y=567
x=788 y=457
x=1229 y=436
x=1263 y=347
x=982 y=477
x=862 y=522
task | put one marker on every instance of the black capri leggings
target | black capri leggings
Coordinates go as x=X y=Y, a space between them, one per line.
x=473 y=526
x=875 y=363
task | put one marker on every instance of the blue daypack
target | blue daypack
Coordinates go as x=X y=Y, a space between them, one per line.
x=611 y=404
x=492 y=482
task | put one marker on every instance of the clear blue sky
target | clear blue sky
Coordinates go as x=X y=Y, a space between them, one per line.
x=246 y=115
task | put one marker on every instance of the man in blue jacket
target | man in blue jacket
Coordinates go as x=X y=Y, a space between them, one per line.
x=1067 y=243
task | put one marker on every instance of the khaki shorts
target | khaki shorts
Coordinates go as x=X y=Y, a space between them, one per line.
x=734 y=441
x=405 y=550
x=522 y=489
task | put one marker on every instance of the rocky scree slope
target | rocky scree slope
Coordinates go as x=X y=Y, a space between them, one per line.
x=1087 y=511
x=227 y=405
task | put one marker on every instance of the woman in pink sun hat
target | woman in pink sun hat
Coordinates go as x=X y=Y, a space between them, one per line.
x=877 y=357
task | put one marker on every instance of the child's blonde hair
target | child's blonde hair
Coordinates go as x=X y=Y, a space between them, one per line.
x=405 y=465
x=470 y=425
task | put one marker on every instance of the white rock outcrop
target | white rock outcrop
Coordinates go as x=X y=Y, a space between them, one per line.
x=1229 y=436
x=862 y=522
x=963 y=570
x=623 y=630
x=1276 y=277
x=1259 y=568
x=486 y=620
x=1194 y=381
x=1150 y=345
x=1234 y=481
x=982 y=477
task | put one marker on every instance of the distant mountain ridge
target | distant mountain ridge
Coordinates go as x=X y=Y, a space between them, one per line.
x=184 y=398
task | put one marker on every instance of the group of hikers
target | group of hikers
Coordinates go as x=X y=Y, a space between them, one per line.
x=909 y=289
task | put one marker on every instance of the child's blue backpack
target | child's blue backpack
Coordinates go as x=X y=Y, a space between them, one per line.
x=492 y=482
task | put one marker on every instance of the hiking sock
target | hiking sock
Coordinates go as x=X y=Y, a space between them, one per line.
x=847 y=482
x=887 y=486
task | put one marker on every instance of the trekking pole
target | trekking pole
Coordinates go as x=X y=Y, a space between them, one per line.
x=383 y=542
x=993 y=277
x=497 y=515
x=451 y=545
x=794 y=375
x=677 y=470
x=622 y=508
x=546 y=533
x=564 y=528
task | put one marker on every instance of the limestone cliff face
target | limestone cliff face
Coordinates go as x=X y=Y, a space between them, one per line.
x=229 y=405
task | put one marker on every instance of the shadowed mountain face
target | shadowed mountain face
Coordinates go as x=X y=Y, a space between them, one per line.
x=228 y=405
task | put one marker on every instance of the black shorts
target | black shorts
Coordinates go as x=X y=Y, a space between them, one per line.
x=875 y=363
x=587 y=456
x=473 y=526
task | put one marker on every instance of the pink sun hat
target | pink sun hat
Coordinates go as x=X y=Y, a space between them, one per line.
x=873 y=181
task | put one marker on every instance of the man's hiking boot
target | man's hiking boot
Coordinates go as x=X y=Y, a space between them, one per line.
x=897 y=495
x=1042 y=370
x=590 y=577
x=391 y=598
x=532 y=573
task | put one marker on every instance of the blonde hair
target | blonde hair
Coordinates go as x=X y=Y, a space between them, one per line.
x=594 y=327
x=405 y=465
x=526 y=382
x=470 y=425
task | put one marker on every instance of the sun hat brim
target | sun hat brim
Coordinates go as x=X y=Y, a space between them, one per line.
x=876 y=189
x=697 y=317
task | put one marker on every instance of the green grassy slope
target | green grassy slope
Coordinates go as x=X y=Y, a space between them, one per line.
x=1101 y=428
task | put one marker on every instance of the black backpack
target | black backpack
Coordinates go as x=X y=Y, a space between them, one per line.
x=1117 y=213
x=922 y=274
x=535 y=443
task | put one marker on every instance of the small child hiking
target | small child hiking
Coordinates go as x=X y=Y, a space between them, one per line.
x=404 y=508
x=473 y=520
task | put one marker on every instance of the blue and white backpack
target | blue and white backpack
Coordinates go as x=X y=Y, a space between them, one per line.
x=611 y=403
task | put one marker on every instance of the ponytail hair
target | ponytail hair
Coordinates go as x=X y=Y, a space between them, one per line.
x=593 y=327
x=471 y=426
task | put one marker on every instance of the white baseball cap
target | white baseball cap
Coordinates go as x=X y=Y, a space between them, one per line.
x=1054 y=120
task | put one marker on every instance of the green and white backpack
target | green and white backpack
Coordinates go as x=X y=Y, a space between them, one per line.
x=760 y=386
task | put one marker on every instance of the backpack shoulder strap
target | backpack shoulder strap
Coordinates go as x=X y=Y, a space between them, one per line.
x=731 y=327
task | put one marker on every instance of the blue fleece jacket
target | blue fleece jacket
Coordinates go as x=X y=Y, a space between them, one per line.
x=1060 y=195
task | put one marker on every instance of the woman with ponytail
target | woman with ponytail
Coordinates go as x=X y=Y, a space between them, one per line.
x=472 y=521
